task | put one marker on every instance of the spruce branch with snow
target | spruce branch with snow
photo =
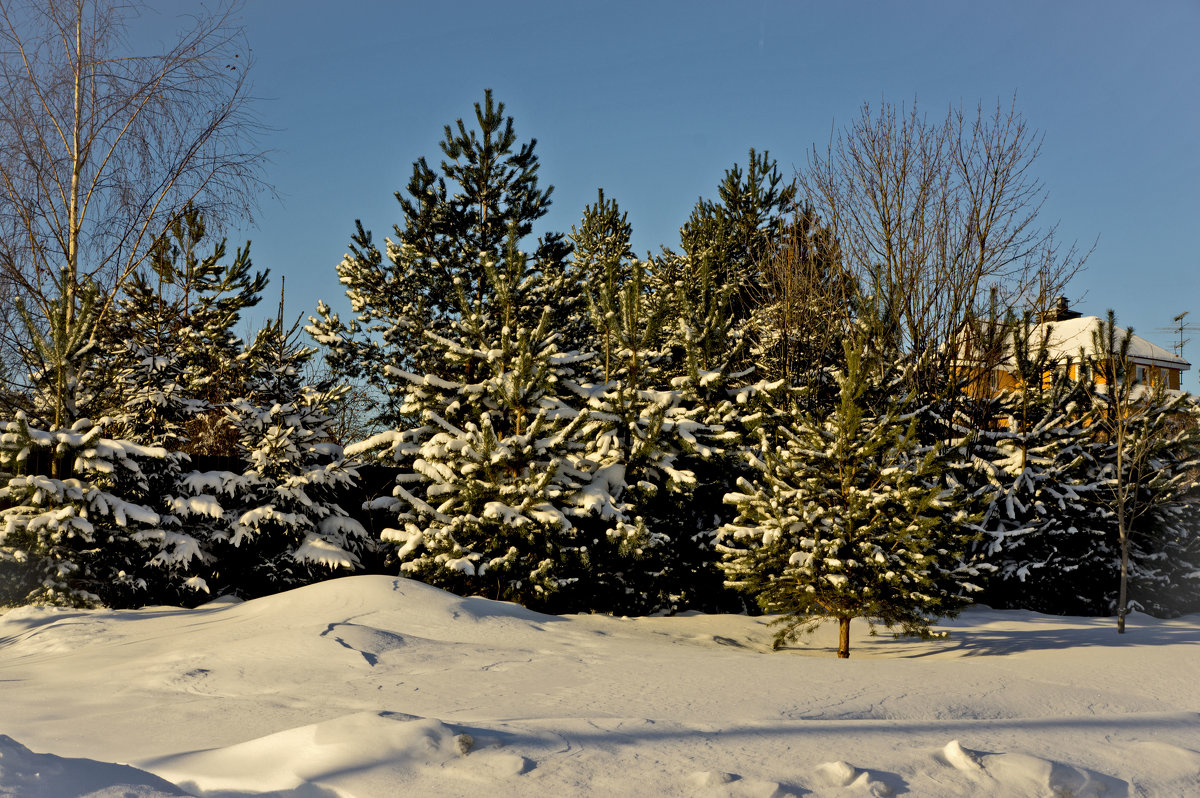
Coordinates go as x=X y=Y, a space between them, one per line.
x=84 y=532
x=1032 y=463
x=277 y=524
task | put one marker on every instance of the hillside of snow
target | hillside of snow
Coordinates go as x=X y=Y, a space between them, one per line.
x=376 y=686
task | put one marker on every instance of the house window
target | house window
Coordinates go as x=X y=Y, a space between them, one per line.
x=1140 y=375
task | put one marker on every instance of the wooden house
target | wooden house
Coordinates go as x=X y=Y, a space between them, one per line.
x=1070 y=337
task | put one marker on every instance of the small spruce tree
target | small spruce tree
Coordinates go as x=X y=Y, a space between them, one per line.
x=74 y=500
x=277 y=524
x=847 y=517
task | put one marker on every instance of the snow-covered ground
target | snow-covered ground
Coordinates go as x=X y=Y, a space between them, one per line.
x=374 y=686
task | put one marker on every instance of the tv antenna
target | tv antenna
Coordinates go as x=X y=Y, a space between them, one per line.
x=1179 y=326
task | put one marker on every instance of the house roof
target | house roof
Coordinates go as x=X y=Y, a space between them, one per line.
x=1066 y=339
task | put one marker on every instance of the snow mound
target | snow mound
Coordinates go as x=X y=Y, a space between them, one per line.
x=960 y=759
x=1019 y=774
x=855 y=781
x=400 y=601
x=24 y=774
x=383 y=747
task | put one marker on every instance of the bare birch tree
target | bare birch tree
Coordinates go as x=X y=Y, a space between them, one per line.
x=931 y=214
x=102 y=147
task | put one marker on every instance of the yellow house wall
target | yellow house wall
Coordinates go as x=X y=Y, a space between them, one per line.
x=1006 y=381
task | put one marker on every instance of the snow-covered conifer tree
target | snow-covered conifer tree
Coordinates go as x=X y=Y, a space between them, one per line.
x=86 y=534
x=639 y=429
x=715 y=283
x=1146 y=452
x=174 y=361
x=1044 y=532
x=481 y=346
x=185 y=306
x=1165 y=578
x=847 y=516
x=157 y=413
x=706 y=366
x=492 y=470
x=74 y=500
x=278 y=524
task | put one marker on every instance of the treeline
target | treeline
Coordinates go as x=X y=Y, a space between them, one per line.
x=102 y=502
x=781 y=408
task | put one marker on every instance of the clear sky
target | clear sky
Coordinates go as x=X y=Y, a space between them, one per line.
x=654 y=100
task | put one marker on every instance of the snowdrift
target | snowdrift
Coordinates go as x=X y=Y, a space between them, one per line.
x=376 y=686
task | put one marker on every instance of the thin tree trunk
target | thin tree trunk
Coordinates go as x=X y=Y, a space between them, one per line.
x=1123 y=599
x=1122 y=522
x=843 y=638
x=73 y=210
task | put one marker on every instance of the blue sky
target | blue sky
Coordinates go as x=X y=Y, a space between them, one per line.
x=654 y=100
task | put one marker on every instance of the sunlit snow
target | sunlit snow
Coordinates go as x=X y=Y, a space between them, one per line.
x=377 y=686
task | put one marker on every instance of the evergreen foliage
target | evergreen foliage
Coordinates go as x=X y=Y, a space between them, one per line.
x=457 y=224
x=459 y=330
x=491 y=470
x=641 y=432
x=848 y=515
x=158 y=413
x=734 y=234
x=1045 y=532
x=85 y=533
x=1146 y=454
x=174 y=363
x=532 y=464
x=185 y=307
x=714 y=289
x=74 y=501
x=278 y=524
x=1163 y=569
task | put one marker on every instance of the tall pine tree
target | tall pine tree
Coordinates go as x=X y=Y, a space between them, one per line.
x=457 y=220
x=478 y=342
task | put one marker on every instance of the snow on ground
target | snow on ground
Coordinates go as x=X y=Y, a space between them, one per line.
x=376 y=686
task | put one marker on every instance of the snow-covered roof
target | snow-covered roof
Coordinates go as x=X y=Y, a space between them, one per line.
x=1069 y=336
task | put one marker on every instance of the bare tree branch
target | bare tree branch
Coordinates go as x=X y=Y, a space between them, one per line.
x=932 y=214
x=102 y=147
